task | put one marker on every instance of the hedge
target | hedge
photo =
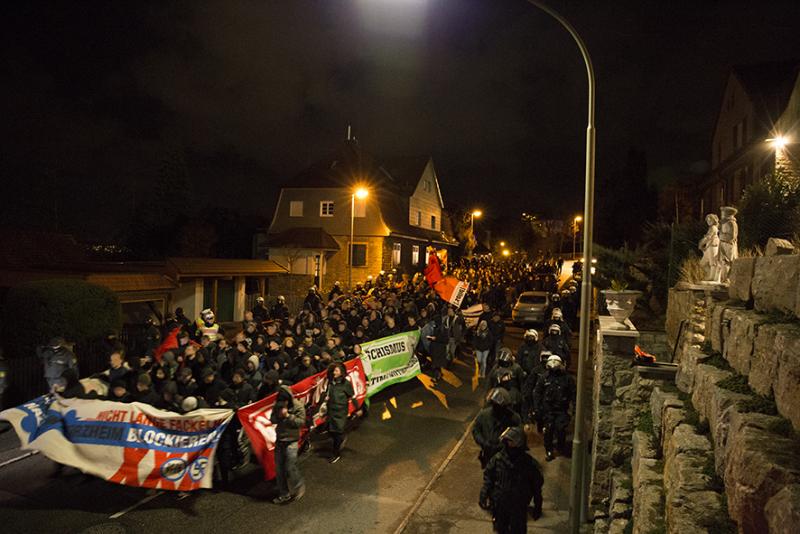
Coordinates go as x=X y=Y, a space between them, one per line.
x=71 y=308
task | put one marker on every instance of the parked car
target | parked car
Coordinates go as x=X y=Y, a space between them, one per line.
x=531 y=307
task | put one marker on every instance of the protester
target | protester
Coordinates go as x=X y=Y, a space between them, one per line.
x=338 y=398
x=289 y=416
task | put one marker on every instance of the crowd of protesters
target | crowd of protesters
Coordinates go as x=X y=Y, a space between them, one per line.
x=274 y=348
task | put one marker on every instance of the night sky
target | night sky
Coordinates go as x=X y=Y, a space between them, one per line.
x=246 y=94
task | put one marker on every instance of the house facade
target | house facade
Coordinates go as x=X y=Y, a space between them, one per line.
x=756 y=131
x=401 y=215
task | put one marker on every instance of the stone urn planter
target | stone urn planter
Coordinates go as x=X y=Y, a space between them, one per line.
x=620 y=305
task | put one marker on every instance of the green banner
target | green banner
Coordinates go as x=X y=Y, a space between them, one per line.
x=390 y=360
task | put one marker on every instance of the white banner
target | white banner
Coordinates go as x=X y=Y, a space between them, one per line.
x=390 y=360
x=132 y=444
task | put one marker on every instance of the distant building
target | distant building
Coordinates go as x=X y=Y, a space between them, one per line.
x=228 y=286
x=402 y=214
x=757 y=130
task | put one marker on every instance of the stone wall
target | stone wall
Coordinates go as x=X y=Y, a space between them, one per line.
x=741 y=371
x=620 y=394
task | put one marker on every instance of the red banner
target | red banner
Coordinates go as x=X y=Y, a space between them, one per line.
x=449 y=288
x=261 y=431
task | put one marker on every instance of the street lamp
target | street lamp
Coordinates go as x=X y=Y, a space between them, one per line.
x=575 y=223
x=778 y=141
x=361 y=193
x=577 y=495
x=472 y=216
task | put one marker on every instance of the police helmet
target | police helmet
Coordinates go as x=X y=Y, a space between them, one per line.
x=281 y=298
x=555 y=362
x=498 y=397
x=207 y=315
x=505 y=355
x=554 y=329
x=260 y=300
x=557 y=313
x=565 y=293
x=544 y=355
x=531 y=333
x=513 y=436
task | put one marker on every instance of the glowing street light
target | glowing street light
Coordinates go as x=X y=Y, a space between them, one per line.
x=575 y=222
x=472 y=216
x=506 y=252
x=361 y=193
x=779 y=141
x=502 y=243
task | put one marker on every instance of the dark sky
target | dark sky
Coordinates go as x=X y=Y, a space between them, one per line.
x=97 y=94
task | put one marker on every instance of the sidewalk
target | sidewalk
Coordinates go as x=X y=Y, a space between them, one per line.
x=452 y=503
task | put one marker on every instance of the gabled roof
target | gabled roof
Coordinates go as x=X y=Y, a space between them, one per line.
x=769 y=86
x=347 y=166
x=303 y=238
x=406 y=171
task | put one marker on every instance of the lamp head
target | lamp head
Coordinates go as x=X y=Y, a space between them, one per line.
x=362 y=193
x=477 y=213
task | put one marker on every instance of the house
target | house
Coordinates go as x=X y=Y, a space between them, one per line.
x=757 y=130
x=144 y=289
x=318 y=210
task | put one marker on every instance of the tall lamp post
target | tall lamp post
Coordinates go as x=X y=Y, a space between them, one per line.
x=577 y=482
x=361 y=193
x=472 y=216
x=575 y=222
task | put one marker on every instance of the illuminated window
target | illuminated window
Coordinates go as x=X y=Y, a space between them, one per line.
x=397 y=249
x=296 y=208
x=415 y=254
x=326 y=208
x=419 y=218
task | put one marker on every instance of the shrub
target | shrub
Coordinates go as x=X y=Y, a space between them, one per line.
x=735 y=383
x=758 y=404
x=72 y=308
x=769 y=207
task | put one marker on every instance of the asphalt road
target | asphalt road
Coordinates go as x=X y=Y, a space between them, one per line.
x=387 y=463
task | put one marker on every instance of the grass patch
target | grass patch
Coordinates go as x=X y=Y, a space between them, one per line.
x=715 y=359
x=783 y=427
x=758 y=404
x=736 y=383
x=644 y=422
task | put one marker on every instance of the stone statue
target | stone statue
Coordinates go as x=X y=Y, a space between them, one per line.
x=710 y=247
x=728 y=241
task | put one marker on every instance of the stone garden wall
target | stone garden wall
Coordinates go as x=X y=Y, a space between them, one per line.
x=737 y=402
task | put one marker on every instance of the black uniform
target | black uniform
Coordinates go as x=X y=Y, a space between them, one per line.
x=490 y=423
x=511 y=479
x=528 y=355
x=553 y=395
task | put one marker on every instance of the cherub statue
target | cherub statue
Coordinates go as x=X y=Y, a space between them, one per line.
x=728 y=241
x=710 y=247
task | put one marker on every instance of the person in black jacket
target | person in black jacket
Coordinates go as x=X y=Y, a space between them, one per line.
x=144 y=391
x=338 y=398
x=511 y=479
x=553 y=395
x=289 y=416
x=118 y=391
x=528 y=352
x=492 y=421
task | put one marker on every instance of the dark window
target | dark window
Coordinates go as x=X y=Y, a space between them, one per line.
x=532 y=299
x=433 y=222
x=359 y=255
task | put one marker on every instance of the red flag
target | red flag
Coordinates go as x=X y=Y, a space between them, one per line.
x=451 y=289
x=170 y=342
x=255 y=417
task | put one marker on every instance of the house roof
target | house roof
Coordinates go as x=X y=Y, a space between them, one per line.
x=129 y=282
x=394 y=209
x=769 y=86
x=199 y=267
x=343 y=168
x=304 y=238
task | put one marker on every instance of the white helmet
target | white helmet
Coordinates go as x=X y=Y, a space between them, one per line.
x=281 y=298
x=532 y=333
x=565 y=293
x=557 y=313
x=554 y=362
x=260 y=299
x=554 y=329
x=207 y=315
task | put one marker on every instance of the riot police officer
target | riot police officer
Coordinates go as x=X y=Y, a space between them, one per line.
x=553 y=395
x=528 y=353
x=505 y=361
x=511 y=479
x=492 y=421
